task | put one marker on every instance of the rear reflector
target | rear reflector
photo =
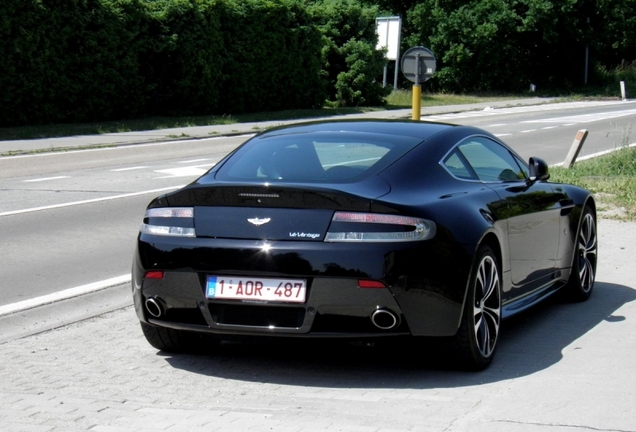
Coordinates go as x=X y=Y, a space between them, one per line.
x=365 y=283
x=154 y=275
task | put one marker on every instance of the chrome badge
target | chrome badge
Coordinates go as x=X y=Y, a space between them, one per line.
x=258 y=221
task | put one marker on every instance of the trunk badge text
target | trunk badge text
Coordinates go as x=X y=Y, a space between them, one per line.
x=258 y=221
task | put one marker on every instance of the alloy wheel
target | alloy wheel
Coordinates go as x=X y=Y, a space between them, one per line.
x=487 y=306
x=587 y=252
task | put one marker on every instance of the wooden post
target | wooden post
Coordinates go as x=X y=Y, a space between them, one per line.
x=577 y=145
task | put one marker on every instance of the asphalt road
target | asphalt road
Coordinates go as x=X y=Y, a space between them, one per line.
x=69 y=219
x=548 y=131
x=560 y=367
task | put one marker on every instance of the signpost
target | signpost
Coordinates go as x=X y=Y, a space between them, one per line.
x=388 y=30
x=418 y=65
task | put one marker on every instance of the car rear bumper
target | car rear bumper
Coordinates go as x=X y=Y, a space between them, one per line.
x=423 y=296
x=334 y=307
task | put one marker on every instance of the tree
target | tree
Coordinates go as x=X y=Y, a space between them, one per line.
x=350 y=61
x=504 y=45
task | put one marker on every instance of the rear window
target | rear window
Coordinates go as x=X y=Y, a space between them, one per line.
x=325 y=157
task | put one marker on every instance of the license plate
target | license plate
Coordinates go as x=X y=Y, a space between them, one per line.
x=265 y=289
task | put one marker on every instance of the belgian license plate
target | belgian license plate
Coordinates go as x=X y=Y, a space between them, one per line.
x=266 y=289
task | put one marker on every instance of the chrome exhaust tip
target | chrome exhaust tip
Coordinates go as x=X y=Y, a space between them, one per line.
x=384 y=319
x=154 y=308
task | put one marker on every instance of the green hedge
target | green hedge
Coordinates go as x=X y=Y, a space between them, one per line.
x=64 y=60
x=96 y=60
x=181 y=56
x=272 y=59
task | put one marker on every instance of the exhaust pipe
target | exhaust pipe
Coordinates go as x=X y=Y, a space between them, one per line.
x=384 y=319
x=154 y=308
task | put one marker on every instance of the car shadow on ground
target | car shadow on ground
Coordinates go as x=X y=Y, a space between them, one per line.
x=530 y=342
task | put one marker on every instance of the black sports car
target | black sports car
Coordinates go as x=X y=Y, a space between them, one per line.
x=362 y=229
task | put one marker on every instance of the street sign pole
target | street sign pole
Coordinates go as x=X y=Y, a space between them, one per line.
x=384 y=72
x=418 y=65
x=397 y=54
x=417 y=90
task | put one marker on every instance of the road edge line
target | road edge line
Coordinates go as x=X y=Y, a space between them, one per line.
x=63 y=295
x=88 y=201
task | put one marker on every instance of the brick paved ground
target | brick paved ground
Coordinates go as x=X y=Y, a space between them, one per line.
x=561 y=367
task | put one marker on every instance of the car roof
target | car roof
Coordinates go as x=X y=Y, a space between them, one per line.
x=406 y=128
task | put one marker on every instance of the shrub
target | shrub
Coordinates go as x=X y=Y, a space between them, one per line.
x=92 y=60
x=272 y=57
x=65 y=60
x=350 y=61
x=183 y=56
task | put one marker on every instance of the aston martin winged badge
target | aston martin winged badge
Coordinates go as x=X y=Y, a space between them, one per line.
x=259 y=221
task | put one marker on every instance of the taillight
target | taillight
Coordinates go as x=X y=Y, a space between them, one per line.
x=169 y=221
x=170 y=212
x=373 y=227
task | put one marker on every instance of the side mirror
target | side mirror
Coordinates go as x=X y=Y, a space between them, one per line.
x=538 y=169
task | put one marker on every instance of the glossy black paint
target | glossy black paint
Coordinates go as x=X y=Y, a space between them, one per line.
x=529 y=223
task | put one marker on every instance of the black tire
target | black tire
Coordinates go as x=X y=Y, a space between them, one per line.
x=177 y=341
x=581 y=282
x=476 y=340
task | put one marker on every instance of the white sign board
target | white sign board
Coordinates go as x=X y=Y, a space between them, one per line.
x=388 y=30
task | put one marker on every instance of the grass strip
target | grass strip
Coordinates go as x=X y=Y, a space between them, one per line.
x=612 y=179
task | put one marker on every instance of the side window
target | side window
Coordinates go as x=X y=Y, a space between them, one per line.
x=523 y=167
x=490 y=161
x=456 y=166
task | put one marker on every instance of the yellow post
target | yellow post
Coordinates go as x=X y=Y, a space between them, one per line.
x=417 y=101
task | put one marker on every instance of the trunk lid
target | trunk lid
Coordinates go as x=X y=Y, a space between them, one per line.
x=272 y=212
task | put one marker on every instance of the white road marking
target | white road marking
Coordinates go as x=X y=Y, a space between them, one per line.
x=128 y=169
x=181 y=172
x=63 y=295
x=584 y=118
x=192 y=171
x=542 y=108
x=74 y=203
x=193 y=161
x=45 y=179
x=597 y=154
